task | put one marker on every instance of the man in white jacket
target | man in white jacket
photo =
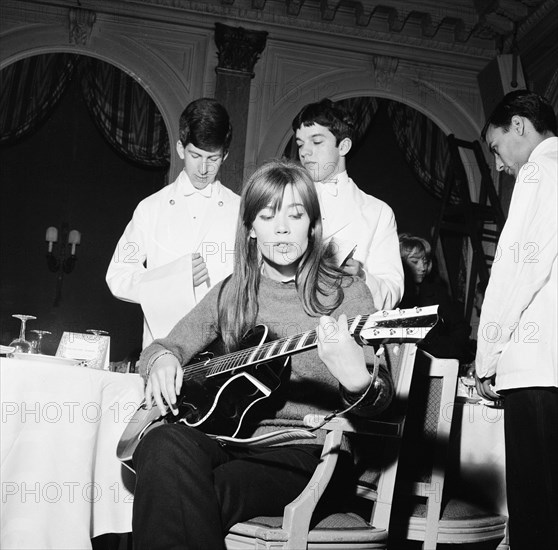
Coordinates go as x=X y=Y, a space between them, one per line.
x=356 y=223
x=180 y=241
x=517 y=340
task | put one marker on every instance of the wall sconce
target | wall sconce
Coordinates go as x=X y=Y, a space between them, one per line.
x=66 y=260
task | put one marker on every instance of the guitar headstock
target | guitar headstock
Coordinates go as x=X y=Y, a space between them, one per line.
x=399 y=325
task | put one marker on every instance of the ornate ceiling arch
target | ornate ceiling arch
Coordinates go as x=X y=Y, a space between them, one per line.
x=162 y=82
x=451 y=115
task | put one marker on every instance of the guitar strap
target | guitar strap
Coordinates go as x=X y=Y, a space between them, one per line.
x=296 y=434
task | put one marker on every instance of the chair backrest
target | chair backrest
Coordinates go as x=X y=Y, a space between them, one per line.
x=426 y=444
x=379 y=460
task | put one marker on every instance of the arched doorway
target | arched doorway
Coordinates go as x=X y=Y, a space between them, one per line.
x=66 y=172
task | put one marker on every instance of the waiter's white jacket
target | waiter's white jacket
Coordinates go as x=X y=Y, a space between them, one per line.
x=351 y=217
x=152 y=263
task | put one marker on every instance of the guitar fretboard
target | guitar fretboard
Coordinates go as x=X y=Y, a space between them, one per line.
x=266 y=351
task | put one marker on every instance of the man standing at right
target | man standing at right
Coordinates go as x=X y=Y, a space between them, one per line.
x=517 y=339
x=361 y=227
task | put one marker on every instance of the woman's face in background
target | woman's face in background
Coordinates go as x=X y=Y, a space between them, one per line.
x=418 y=265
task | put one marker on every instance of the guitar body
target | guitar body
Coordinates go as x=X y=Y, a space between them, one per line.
x=215 y=403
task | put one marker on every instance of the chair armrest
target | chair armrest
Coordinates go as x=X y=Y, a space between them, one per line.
x=298 y=514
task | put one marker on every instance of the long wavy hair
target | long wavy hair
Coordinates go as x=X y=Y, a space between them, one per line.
x=316 y=276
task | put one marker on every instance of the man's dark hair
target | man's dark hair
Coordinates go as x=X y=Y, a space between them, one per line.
x=205 y=124
x=526 y=104
x=328 y=114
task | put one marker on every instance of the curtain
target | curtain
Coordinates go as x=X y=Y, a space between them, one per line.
x=551 y=91
x=122 y=110
x=362 y=110
x=30 y=90
x=125 y=113
x=425 y=147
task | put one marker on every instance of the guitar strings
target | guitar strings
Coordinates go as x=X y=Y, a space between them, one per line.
x=262 y=352
x=240 y=358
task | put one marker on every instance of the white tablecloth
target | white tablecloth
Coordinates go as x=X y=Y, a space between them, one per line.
x=482 y=455
x=478 y=439
x=61 y=481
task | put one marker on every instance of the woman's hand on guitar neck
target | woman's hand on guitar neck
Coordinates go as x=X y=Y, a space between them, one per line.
x=164 y=382
x=343 y=357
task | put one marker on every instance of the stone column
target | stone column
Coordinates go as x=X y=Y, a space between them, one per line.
x=238 y=51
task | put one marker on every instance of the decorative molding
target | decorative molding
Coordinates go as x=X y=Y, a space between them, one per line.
x=502 y=19
x=81 y=24
x=384 y=70
x=238 y=49
x=382 y=22
x=294 y=6
x=543 y=14
x=461 y=26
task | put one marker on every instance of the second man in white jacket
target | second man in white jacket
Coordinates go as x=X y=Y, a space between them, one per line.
x=180 y=241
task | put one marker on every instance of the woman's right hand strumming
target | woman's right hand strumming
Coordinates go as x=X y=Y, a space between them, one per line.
x=164 y=383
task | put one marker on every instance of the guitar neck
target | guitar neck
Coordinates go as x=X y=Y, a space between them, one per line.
x=263 y=353
x=383 y=326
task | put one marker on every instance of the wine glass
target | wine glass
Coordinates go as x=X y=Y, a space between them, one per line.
x=20 y=344
x=40 y=334
x=469 y=381
x=97 y=332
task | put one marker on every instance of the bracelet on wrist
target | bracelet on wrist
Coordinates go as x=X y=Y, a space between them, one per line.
x=152 y=362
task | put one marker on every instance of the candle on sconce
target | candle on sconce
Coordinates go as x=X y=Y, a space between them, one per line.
x=64 y=260
x=51 y=237
x=74 y=238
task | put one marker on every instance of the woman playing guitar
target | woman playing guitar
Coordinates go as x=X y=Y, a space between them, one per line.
x=192 y=488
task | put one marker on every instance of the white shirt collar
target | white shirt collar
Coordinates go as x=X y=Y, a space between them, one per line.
x=187 y=189
x=334 y=186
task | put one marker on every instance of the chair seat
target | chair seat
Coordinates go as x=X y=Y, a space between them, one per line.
x=461 y=522
x=331 y=533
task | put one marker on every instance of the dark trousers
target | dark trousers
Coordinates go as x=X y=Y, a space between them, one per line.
x=531 y=433
x=190 y=490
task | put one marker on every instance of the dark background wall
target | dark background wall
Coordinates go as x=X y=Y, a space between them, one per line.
x=67 y=172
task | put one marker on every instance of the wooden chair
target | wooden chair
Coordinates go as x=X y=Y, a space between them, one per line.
x=425 y=511
x=343 y=530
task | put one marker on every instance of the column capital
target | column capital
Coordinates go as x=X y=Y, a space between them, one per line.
x=238 y=49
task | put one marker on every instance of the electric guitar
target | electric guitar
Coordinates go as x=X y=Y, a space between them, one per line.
x=217 y=392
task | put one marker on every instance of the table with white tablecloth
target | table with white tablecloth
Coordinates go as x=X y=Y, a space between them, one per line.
x=482 y=454
x=61 y=481
x=479 y=456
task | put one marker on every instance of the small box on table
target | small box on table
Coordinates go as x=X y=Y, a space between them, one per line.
x=93 y=349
